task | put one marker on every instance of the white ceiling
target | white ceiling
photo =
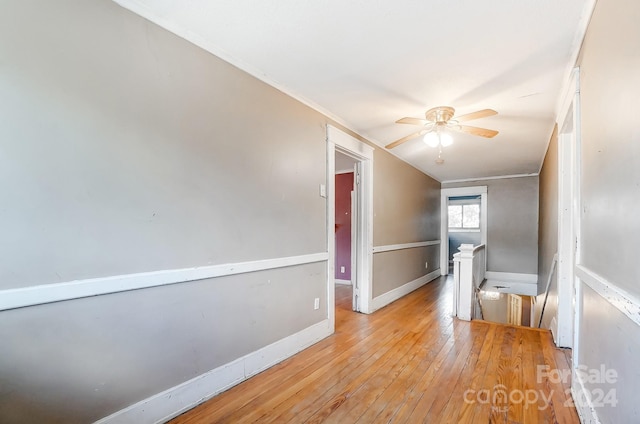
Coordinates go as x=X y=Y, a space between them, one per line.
x=369 y=63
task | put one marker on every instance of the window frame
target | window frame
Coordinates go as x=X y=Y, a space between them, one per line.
x=463 y=203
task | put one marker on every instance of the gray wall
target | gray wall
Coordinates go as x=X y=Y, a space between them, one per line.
x=126 y=149
x=610 y=101
x=512 y=223
x=401 y=190
x=80 y=360
x=548 y=233
x=458 y=238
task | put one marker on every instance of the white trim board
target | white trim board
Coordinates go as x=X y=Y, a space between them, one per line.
x=391 y=247
x=47 y=293
x=350 y=143
x=445 y=193
x=343 y=282
x=623 y=301
x=497 y=177
x=578 y=39
x=395 y=294
x=170 y=403
x=362 y=269
x=584 y=405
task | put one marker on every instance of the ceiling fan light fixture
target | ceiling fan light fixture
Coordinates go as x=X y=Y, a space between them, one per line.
x=437 y=138
x=446 y=139
x=439 y=122
x=432 y=139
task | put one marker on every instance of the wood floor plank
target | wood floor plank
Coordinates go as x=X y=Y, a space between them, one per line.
x=338 y=388
x=393 y=396
x=267 y=403
x=535 y=411
x=443 y=382
x=455 y=403
x=408 y=362
x=445 y=356
x=559 y=390
x=355 y=395
x=469 y=401
x=515 y=411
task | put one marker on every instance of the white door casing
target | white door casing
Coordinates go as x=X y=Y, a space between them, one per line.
x=445 y=193
x=568 y=215
x=339 y=141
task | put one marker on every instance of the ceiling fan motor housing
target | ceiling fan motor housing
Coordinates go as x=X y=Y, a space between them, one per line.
x=440 y=114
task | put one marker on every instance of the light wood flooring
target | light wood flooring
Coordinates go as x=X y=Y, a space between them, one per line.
x=409 y=362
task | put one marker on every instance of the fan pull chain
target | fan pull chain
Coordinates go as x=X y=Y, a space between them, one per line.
x=439 y=161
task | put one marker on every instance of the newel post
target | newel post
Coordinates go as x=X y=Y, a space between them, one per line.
x=465 y=289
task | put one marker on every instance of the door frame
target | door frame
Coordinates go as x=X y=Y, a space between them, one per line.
x=569 y=152
x=445 y=193
x=339 y=141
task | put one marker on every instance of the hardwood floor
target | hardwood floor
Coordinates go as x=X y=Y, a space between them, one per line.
x=408 y=362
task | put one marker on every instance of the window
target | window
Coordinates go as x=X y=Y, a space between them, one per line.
x=464 y=216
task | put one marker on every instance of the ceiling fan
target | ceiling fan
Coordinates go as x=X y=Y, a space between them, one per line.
x=438 y=121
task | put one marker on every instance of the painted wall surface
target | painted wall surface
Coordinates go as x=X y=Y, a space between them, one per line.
x=512 y=223
x=80 y=360
x=406 y=209
x=126 y=149
x=611 y=153
x=344 y=186
x=610 y=93
x=397 y=267
x=548 y=233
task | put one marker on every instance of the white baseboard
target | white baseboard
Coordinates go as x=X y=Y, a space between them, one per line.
x=582 y=402
x=166 y=405
x=397 y=293
x=343 y=282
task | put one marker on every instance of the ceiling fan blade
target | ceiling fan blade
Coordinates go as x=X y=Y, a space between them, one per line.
x=476 y=115
x=412 y=121
x=482 y=132
x=404 y=139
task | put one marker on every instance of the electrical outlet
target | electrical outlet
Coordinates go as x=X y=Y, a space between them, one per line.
x=316 y=303
x=426 y=265
x=342 y=270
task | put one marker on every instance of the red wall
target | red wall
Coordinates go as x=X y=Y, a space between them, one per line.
x=344 y=185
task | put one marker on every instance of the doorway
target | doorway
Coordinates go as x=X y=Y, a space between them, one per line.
x=345 y=151
x=345 y=230
x=476 y=231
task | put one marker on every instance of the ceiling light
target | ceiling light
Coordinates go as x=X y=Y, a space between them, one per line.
x=438 y=137
x=432 y=139
x=446 y=139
